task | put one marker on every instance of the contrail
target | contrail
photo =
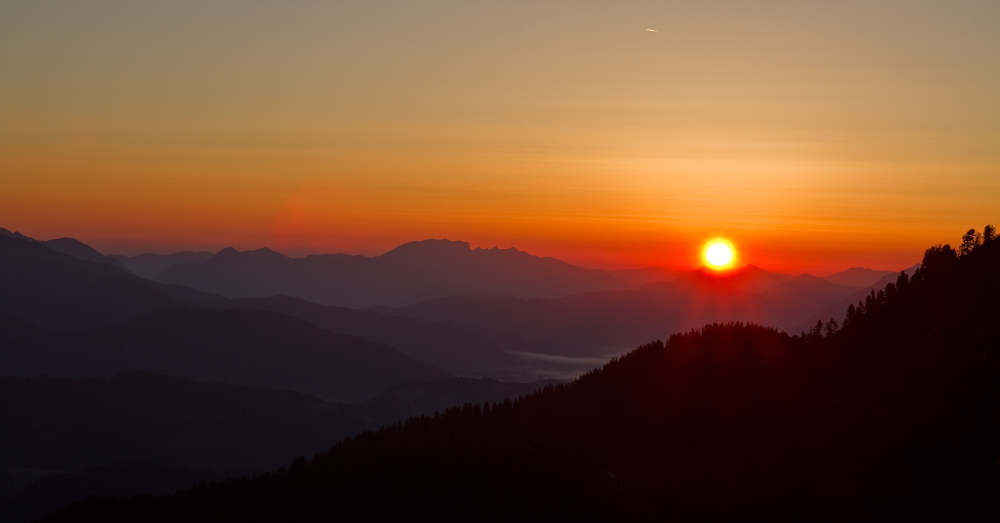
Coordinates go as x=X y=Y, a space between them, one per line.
x=652 y=30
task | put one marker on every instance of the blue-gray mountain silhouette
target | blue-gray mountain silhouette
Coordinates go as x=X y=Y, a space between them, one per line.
x=152 y=265
x=63 y=292
x=442 y=344
x=68 y=246
x=612 y=321
x=50 y=288
x=858 y=277
x=408 y=274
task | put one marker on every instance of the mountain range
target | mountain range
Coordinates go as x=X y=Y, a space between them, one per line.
x=278 y=360
x=612 y=321
x=67 y=293
x=468 y=335
x=891 y=415
x=409 y=273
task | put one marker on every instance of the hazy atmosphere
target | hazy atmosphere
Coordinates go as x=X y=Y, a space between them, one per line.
x=815 y=135
x=314 y=261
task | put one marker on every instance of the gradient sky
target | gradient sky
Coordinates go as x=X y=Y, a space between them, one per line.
x=813 y=135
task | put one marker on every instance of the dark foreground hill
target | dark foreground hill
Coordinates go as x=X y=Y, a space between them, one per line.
x=238 y=347
x=144 y=433
x=65 y=424
x=893 y=416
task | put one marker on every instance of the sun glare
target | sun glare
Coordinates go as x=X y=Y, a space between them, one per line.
x=719 y=254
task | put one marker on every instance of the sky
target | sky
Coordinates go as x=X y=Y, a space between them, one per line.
x=814 y=136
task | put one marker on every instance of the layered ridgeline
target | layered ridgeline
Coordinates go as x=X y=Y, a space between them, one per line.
x=462 y=335
x=70 y=317
x=409 y=273
x=67 y=292
x=609 y=322
x=238 y=347
x=68 y=246
x=891 y=414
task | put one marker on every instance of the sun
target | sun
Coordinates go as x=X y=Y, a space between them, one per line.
x=719 y=254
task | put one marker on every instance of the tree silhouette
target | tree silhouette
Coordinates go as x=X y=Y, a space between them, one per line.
x=970 y=240
x=989 y=233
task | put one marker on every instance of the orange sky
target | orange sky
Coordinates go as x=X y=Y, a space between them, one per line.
x=814 y=137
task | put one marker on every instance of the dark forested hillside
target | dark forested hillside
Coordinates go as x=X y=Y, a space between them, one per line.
x=894 y=415
x=145 y=433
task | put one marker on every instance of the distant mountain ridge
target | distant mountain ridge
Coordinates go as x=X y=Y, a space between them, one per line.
x=892 y=415
x=68 y=246
x=407 y=274
x=41 y=285
x=442 y=344
x=62 y=292
x=838 y=310
x=858 y=276
x=596 y=323
x=150 y=266
x=466 y=335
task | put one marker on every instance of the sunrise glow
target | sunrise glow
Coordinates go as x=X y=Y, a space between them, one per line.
x=719 y=254
x=601 y=146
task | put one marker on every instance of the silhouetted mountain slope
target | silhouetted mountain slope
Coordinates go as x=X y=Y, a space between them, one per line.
x=58 y=423
x=80 y=250
x=152 y=265
x=893 y=416
x=838 y=310
x=53 y=289
x=240 y=347
x=441 y=344
x=548 y=326
x=401 y=402
x=409 y=273
x=787 y=302
x=69 y=424
x=754 y=295
x=197 y=431
x=56 y=290
x=69 y=247
x=748 y=278
x=632 y=278
x=610 y=322
x=116 y=479
x=858 y=277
